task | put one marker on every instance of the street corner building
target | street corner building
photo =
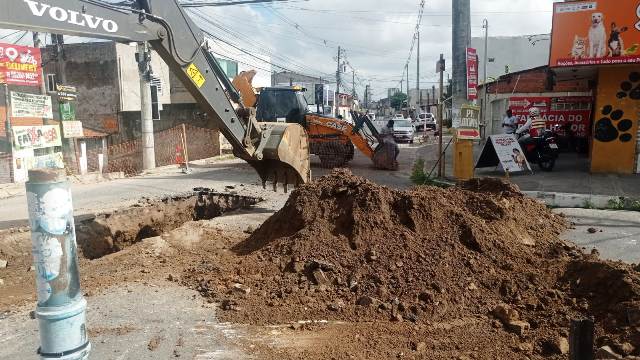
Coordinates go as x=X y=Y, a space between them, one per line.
x=600 y=40
x=587 y=86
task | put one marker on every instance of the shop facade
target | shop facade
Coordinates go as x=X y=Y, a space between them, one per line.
x=590 y=91
x=599 y=39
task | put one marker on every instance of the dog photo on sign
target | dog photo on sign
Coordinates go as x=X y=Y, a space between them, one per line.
x=597 y=36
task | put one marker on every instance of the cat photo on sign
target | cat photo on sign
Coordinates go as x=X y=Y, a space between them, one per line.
x=579 y=49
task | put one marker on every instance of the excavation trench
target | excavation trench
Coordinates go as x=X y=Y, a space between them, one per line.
x=109 y=233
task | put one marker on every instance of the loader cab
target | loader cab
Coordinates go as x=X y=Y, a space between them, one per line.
x=282 y=104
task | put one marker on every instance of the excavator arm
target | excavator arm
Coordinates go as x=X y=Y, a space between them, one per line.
x=279 y=152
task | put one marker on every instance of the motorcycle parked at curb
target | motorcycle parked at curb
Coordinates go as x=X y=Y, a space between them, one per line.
x=543 y=150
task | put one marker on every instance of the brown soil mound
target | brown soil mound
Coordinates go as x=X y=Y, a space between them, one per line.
x=344 y=248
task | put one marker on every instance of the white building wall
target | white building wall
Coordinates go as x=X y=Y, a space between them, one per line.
x=518 y=52
x=130 y=78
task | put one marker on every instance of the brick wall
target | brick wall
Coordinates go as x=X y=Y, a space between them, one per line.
x=535 y=81
x=5 y=168
x=201 y=144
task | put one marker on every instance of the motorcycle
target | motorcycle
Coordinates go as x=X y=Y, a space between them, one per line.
x=543 y=150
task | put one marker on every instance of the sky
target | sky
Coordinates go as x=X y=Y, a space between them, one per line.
x=376 y=35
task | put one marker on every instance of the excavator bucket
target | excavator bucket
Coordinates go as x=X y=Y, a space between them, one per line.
x=384 y=156
x=285 y=156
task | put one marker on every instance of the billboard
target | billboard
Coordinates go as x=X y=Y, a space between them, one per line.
x=601 y=32
x=20 y=65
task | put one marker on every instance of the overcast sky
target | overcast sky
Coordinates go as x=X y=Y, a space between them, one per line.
x=376 y=35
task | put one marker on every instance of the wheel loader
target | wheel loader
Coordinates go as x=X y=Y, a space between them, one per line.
x=333 y=140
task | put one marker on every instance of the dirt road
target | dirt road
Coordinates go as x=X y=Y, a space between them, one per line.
x=164 y=296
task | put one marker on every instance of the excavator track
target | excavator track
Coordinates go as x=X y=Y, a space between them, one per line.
x=333 y=154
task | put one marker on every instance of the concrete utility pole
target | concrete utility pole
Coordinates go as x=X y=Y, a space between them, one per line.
x=418 y=75
x=408 y=95
x=338 y=81
x=146 y=112
x=461 y=41
x=440 y=119
x=61 y=308
x=485 y=106
x=353 y=91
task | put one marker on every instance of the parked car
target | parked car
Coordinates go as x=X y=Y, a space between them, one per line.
x=398 y=117
x=426 y=121
x=403 y=130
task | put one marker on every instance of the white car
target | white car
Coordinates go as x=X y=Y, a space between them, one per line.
x=426 y=121
x=403 y=130
x=398 y=117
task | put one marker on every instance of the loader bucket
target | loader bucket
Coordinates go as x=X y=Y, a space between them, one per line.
x=384 y=156
x=285 y=156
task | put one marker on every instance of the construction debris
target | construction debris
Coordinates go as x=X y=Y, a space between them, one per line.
x=430 y=255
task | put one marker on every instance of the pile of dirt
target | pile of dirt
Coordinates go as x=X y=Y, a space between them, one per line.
x=344 y=248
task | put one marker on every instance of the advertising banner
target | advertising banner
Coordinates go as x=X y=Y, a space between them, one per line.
x=469 y=127
x=601 y=32
x=31 y=105
x=570 y=113
x=67 y=93
x=472 y=74
x=72 y=129
x=68 y=111
x=506 y=151
x=36 y=137
x=20 y=65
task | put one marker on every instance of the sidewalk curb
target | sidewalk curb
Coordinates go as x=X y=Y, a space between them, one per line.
x=584 y=201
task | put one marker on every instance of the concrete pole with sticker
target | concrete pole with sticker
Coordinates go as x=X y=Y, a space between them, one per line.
x=61 y=307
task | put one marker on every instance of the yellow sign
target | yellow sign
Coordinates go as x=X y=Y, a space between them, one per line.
x=195 y=75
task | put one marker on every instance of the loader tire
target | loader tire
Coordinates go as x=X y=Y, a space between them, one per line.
x=332 y=154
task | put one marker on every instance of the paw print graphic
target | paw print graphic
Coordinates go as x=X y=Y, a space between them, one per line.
x=631 y=88
x=612 y=126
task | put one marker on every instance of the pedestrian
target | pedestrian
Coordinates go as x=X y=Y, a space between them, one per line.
x=510 y=123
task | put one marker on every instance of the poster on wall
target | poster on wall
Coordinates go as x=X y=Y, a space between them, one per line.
x=72 y=129
x=31 y=105
x=469 y=127
x=472 y=74
x=596 y=32
x=25 y=160
x=68 y=111
x=571 y=114
x=506 y=151
x=36 y=137
x=20 y=65
x=21 y=161
x=49 y=161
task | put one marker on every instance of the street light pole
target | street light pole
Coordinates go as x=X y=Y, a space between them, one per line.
x=485 y=25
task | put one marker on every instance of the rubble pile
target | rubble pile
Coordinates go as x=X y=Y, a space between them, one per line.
x=344 y=248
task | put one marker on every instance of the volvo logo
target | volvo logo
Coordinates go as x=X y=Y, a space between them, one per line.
x=72 y=17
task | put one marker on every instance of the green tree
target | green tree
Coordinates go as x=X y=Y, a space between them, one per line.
x=398 y=100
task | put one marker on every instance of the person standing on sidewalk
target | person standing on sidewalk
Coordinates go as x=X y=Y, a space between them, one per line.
x=510 y=123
